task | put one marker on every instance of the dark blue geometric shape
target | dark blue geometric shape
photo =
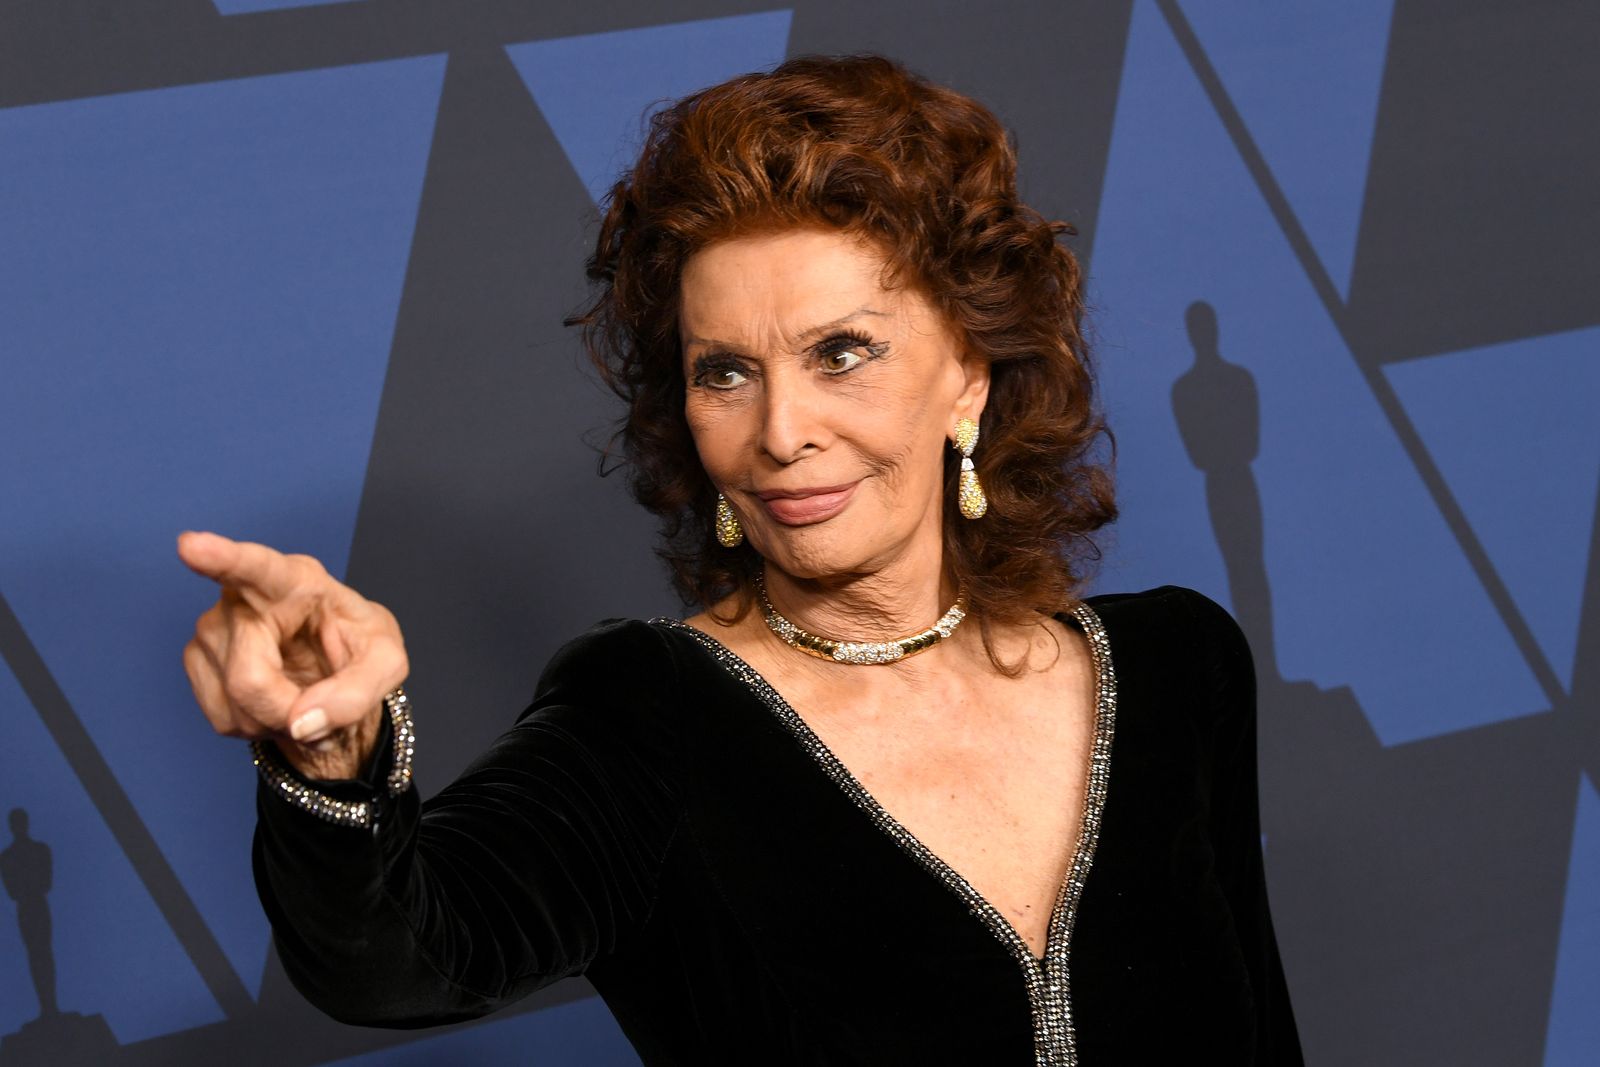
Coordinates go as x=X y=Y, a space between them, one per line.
x=580 y=1033
x=115 y=955
x=198 y=290
x=1514 y=430
x=1305 y=78
x=1369 y=587
x=594 y=89
x=242 y=7
x=1573 y=1037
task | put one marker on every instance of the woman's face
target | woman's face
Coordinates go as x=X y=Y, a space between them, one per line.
x=821 y=403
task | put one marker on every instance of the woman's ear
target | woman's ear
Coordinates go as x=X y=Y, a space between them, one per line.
x=974 y=396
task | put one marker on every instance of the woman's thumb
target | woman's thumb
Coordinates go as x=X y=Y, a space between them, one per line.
x=332 y=704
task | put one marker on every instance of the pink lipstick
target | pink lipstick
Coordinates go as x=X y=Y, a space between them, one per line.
x=802 y=507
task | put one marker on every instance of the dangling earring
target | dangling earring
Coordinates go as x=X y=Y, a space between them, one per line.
x=729 y=532
x=968 y=492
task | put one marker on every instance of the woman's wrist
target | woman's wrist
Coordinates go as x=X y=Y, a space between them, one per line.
x=345 y=782
x=343 y=754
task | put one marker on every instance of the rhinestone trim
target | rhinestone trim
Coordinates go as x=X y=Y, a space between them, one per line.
x=356 y=814
x=1047 y=980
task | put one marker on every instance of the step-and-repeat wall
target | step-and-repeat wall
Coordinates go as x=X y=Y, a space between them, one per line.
x=295 y=271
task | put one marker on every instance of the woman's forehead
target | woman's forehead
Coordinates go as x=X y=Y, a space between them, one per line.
x=788 y=284
x=799 y=264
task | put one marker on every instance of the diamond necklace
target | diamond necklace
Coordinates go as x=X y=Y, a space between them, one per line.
x=861 y=652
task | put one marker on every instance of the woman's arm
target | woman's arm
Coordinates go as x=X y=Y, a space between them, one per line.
x=1235 y=824
x=542 y=857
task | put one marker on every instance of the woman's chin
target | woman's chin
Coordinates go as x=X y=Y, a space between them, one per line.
x=826 y=550
x=809 y=553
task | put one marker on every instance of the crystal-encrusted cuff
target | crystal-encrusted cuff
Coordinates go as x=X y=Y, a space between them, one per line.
x=358 y=814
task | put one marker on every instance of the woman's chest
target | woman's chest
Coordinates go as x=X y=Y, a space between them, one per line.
x=1000 y=803
x=988 y=793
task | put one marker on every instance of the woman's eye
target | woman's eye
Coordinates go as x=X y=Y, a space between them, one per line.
x=841 y=361
x=722 y=378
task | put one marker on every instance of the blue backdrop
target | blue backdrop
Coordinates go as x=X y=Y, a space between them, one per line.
x=294 y=271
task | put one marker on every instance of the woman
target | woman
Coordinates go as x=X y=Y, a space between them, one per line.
x=896 y=795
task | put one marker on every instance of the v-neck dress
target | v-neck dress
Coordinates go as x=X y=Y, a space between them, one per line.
x=660 y=820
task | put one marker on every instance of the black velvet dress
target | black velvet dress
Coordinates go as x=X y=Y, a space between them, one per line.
x=660 y=821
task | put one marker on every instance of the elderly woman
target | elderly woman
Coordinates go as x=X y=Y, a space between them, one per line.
x=897 y=794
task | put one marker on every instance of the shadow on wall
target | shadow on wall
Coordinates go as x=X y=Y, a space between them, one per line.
x=55 y=1036
x=1372 y=926
x=1219 y=419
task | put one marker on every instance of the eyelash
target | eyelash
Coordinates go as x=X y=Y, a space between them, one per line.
x=843 y=341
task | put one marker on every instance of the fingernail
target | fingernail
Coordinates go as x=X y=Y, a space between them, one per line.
x=310 y=726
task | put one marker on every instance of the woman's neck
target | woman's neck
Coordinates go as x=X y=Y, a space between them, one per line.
x=883 y=605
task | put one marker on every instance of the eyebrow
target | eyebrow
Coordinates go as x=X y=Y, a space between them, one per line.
x=814 y=331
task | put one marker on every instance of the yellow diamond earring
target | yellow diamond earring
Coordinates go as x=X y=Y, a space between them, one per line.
x=969 y=493
x=729 y=532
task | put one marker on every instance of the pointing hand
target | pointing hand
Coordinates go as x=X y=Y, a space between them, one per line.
x=291 y=654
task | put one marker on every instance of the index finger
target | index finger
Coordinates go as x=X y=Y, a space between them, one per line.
x=243 y=564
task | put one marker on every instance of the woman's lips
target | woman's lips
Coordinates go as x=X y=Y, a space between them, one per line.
x=805 y=506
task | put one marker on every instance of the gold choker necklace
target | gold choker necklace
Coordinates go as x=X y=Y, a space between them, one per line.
x=861 y=652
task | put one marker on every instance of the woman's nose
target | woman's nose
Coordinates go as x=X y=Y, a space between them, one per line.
x=791 y=415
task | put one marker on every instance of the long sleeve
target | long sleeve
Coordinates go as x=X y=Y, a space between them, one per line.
x=1235 y=826
x=541 y=858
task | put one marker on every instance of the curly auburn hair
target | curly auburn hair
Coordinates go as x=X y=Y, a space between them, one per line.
x=862 y=145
